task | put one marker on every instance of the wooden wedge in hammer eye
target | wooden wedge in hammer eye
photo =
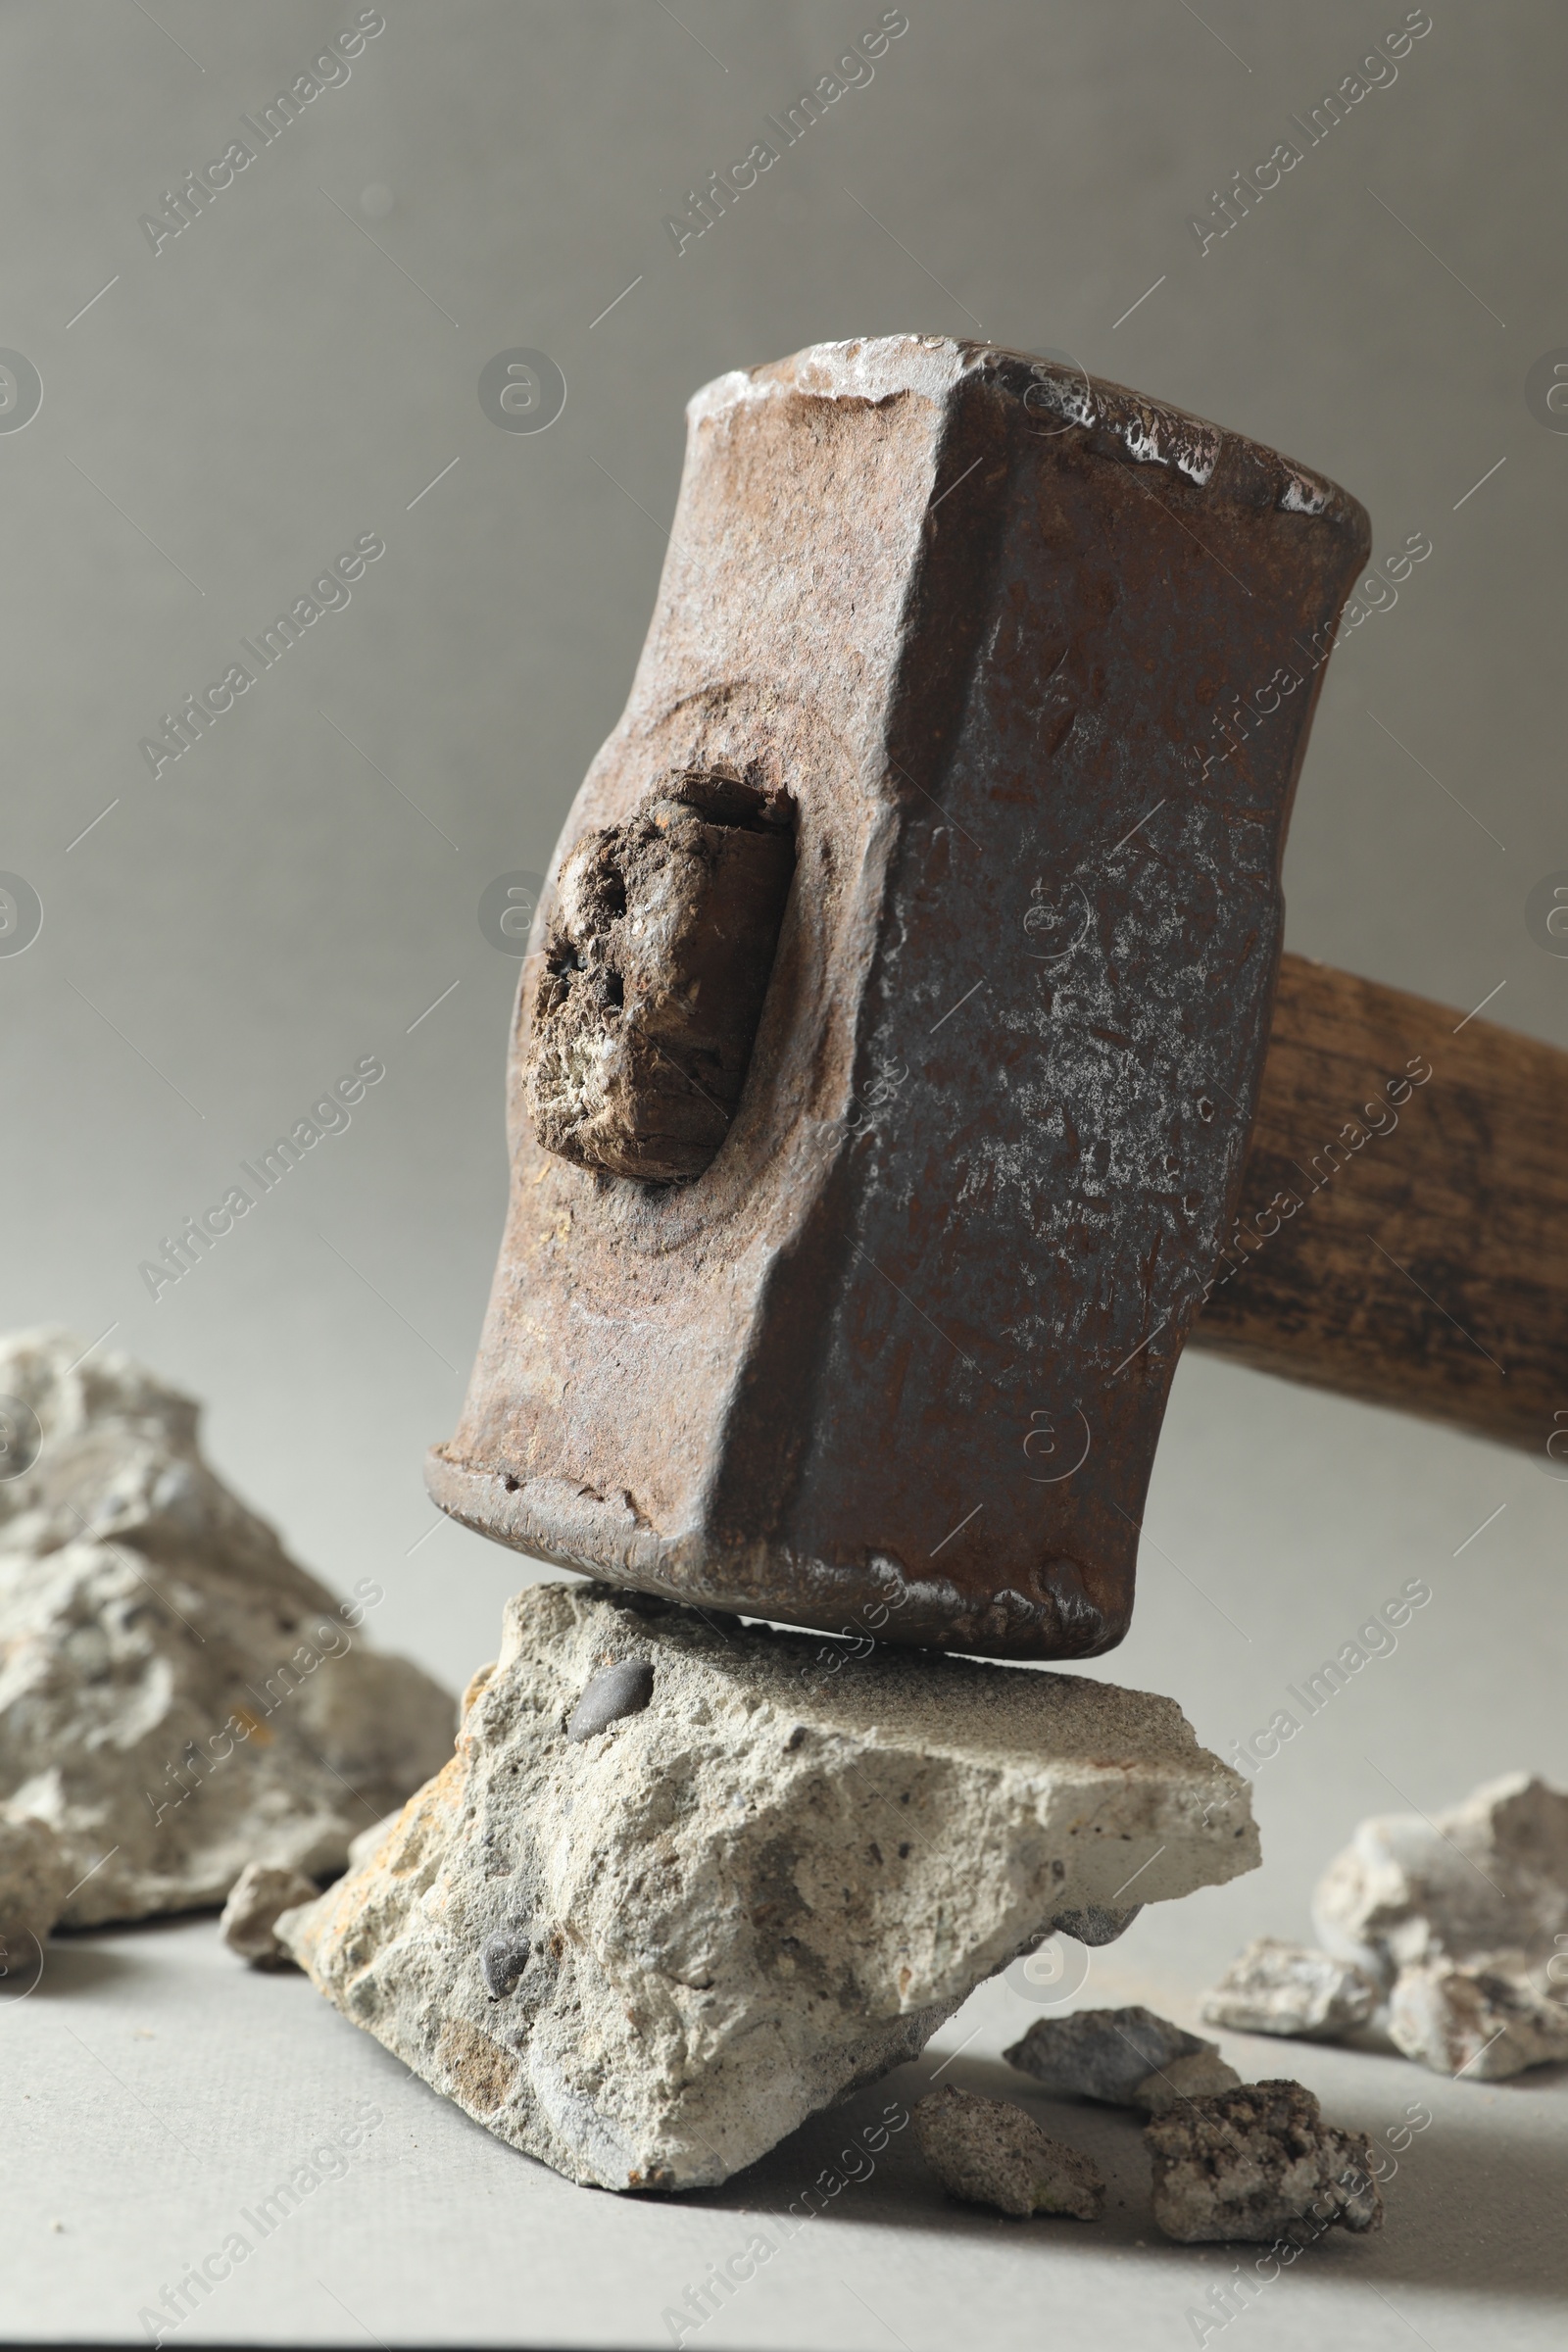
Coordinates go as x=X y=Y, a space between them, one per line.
x=656 y=965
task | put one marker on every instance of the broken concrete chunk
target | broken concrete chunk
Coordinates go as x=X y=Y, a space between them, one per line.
x=35 y=1876
x=178 y=1696
x=1200 y=2077
x=1490 y=1876
x=1277 y=1987
x=1259 y=2163
x=1485 y=2021
x=259 y=1897
x=769 y=1884
x=1103 y=2054
x=656 y=959
x=989 y=2152
x=624 y=1689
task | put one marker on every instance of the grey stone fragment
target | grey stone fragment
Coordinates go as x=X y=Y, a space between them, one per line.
x=36 y=1875
x=989 y=2152
x=1490 y=1876
x=1485 y=2019
x=766 y=1886
x=259 y=1897
x=1259 y=2163
x=1277 y=1987
x=178 y=1696
x=624 y=1689
x=1200 y=2077
x=1103 y=2054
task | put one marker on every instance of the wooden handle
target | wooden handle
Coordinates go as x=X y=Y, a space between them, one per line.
x=1404 y=1227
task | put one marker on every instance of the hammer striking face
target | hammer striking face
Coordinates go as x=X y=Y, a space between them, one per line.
x=891 y=1035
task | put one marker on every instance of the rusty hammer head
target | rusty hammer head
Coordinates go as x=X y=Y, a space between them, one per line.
x=890 y=1032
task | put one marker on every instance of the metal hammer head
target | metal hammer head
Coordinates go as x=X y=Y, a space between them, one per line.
x=890 y=1032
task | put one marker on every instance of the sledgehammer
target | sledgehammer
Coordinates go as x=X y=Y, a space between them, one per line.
x=899 y=1017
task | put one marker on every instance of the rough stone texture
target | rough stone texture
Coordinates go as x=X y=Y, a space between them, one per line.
x=1491 y=1876
x=773 y=1881
x=1103 y=2054
x=1200 y=2077
x=1485 y=2021
x=1098 y=1923
x=989 y=2152
x=35 y=1876
x=1278 y=1988
x=930 y=594
x=178 y=1696
x=260 y=1896
x=366 y=1841
x=1259 y=2163
x=656 y=964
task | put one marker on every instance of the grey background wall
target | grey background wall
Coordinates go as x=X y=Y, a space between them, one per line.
x=300 y=367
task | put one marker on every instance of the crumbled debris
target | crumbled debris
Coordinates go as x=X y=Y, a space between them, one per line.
x=1259 y=2163
x=989 y=2152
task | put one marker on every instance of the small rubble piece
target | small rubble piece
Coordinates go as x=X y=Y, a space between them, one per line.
x=35 y=1876
x=1103 y=2055
x=259 y=1897
x=989 y=2152
x=1483 y=2021
x=1277 y=1987
x=1259 y=2163
x=1489 y=1877
x=1200 y=2077
x=645 y=1955
x=178 y=1696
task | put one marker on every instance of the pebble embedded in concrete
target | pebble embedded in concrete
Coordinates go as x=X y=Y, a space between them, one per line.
x=503 y=1957
x=621 y=1690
